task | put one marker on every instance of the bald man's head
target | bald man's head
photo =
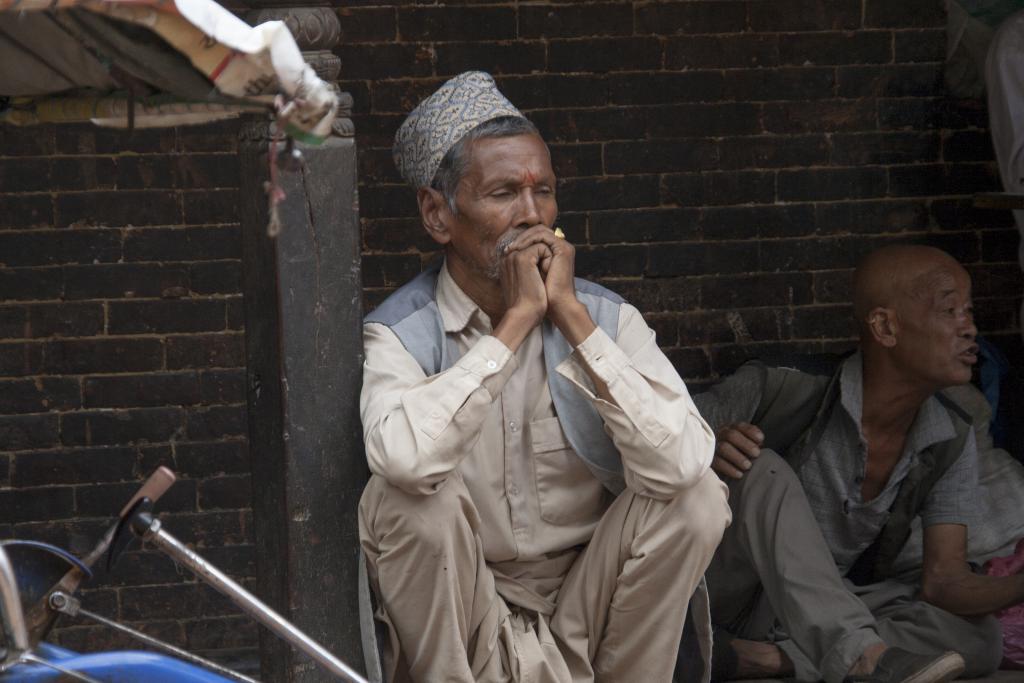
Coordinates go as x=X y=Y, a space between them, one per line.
x=914 y=313
x=891 y=275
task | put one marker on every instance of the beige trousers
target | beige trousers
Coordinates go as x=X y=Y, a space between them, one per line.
x=613 y=611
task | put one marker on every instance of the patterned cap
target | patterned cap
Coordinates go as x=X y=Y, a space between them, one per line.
x=433 y=128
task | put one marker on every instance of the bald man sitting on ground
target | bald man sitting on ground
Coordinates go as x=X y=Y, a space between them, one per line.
x=826 y=474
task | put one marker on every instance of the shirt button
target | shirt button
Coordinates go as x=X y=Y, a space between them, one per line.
x=514 y=426
x=491 y=365
x=435 y=415
x=513 y=491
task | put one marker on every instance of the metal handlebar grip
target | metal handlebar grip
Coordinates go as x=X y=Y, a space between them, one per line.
x=154 y=487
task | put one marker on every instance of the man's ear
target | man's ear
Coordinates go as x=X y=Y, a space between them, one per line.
x=434 y=213
x=884 y=326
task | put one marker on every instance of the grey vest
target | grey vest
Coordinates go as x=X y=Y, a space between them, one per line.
x=794 y=411
x=412 y=314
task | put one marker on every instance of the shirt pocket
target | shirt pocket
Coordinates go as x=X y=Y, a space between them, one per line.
x=567 y=491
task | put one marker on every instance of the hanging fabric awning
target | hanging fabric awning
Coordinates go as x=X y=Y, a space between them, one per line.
x=148 y=63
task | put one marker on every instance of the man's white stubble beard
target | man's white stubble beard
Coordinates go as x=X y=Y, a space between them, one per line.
x=494 y=268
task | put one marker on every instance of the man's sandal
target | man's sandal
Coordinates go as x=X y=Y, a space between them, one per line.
x=897 y=665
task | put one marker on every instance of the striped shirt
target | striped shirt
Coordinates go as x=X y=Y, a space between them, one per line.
x=833 y=474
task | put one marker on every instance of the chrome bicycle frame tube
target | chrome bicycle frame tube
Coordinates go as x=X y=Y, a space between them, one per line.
x=15 y=631
x=68 y=604
x=13 y=617
x=249 y=603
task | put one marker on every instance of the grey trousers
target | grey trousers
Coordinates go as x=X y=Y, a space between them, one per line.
x=773 y=579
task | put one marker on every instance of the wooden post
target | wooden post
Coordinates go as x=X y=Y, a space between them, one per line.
x=303 y=309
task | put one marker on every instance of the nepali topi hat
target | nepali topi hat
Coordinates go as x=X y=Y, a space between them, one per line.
x=440 y=121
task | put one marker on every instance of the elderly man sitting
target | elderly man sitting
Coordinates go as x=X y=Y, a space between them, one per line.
x=541 y=506
x=805 y=577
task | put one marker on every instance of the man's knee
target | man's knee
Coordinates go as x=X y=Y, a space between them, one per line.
x=770 y=469
x=388 y=512
x=769 y=475
x=983 y=651
x=979 y=640
x=703 y=512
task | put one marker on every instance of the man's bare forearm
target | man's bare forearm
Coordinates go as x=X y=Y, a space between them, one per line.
x=968 y=594
x=514 y=328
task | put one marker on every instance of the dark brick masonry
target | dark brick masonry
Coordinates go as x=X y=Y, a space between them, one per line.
x=723 y=164
x=122 y=349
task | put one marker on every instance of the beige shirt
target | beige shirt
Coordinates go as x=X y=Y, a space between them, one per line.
x=490 y=417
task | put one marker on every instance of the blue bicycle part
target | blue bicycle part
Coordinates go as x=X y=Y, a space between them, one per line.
x=129 y=666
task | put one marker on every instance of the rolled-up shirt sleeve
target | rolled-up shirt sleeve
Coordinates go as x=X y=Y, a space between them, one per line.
x=953 y=498
x=417 y=429
x=733 y=399
x=665 y=445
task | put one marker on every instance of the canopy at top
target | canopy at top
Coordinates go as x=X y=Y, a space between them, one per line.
x=153 y=63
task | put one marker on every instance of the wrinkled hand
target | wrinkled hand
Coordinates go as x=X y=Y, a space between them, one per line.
x=736 y=446
x=558 y=269
x=522 y=283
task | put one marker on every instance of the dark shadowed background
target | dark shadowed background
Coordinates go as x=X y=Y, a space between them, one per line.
x=723 y=164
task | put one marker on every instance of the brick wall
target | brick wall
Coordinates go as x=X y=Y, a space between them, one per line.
x=722 y=164
x=121 y=348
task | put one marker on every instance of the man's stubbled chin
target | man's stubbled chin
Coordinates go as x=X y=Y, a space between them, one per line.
x=494 y=269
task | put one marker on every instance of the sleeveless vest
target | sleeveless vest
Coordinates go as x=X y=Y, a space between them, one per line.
x=794 y=410
x=412 y=314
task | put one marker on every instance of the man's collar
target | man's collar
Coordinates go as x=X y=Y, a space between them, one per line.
x=851 y=385
x=931 y=424
x=457 y=309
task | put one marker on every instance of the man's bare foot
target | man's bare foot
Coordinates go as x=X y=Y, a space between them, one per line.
x=760 y=660
x=868 y=660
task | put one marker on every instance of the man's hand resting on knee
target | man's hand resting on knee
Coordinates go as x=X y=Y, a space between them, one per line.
x=736 y=446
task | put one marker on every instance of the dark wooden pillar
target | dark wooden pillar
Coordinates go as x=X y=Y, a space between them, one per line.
x=303 y=310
